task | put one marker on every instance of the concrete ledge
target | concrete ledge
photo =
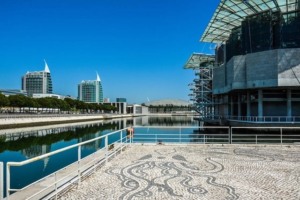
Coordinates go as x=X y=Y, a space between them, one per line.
x=6 y=123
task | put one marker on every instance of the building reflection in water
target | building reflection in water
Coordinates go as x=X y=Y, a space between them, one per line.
x=38 y=142
x=36 y=150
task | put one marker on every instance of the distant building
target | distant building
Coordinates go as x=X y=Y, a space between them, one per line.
x=9 y=92
x=56 y=96
x=168 y=106
x=91 y=91
x=37 y=82
x=121 y=107
x=106 y=100
x=137 y=109
x=119 y=100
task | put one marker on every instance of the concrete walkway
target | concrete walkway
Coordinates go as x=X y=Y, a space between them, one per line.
x=196 y=172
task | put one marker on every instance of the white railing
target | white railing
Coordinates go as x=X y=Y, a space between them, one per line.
x=1 y=180
x=266 y=119
x=159 y=134
x=262 y=119
x=71 y=174
x=217 y=134
x=276 y=135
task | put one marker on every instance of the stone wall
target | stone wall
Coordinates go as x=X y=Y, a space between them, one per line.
x=261 y=69
x=274 y=68
x=219 y=79
x=288 y=67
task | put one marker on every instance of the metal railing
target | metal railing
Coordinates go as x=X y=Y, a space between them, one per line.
x=82 y=167
x=1 y=180
x=259 y=119
x=265 y=135
x=167 y=134
x=266 y=119
x=59 y=180
x=217 y=134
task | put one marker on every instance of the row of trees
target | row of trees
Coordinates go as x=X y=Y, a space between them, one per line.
x=49 y=104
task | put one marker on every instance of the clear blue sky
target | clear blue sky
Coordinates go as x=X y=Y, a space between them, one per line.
x=138 y=47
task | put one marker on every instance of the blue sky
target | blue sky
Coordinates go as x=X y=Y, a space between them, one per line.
x=138 y=47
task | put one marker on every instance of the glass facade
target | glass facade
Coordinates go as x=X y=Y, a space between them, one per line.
x=122 y=100
x=90 y=91
x=37 y=83
x=264 y=31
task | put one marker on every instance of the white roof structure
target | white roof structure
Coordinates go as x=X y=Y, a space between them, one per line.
x=46 y=67
x=230 y=13
x=98 y=77
x=198 y=59
x=164 y=102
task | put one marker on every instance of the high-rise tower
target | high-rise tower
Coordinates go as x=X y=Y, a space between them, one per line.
x=38 y=82
x=91 y=91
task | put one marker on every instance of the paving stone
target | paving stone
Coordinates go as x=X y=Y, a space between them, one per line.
x=196 y=172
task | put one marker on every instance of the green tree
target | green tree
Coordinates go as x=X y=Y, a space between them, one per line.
x=19 y=101
x=3 y=101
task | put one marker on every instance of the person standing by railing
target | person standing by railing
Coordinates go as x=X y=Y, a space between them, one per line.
x=130 y=132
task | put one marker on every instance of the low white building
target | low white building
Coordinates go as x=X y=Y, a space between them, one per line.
x=57 y=96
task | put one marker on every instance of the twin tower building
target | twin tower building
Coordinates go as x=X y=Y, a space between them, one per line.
x=40 y=83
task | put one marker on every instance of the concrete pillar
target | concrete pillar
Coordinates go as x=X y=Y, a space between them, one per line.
x=231 y=105
x=248 y=104
x=289 y=103
x=260 y=103
x=239 y=106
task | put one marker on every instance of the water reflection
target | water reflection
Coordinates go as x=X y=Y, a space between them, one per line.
x=165 y=121
x=38 y=142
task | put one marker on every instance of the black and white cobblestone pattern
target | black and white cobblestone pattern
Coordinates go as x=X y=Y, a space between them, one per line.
x=196 y=172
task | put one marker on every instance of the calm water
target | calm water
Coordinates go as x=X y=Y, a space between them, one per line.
x=20 y=146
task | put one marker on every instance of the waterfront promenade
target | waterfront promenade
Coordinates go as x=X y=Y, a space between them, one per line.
x=15 y=121
x=196 y=172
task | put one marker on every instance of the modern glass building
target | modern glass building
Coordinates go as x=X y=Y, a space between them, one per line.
x=37 y=82
x=91 y=91
x=121 y=100
x=256 y=72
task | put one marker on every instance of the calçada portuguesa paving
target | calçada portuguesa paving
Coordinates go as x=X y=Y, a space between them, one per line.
x=196 y=172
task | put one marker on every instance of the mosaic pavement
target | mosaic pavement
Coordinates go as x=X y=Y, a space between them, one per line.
x=196 y=172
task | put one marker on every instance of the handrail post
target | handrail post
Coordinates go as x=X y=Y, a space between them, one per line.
x=281 y=136
x=55 y=186
x=131 y=138
x=255 y=139
x=230 y=134
x=7 y=181
x=180 y=135
x=121 y=140
x=79 y=158
x=106 y=149
x=1 y=180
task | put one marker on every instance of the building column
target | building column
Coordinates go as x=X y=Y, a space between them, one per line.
x=231 y=105
x=248 y=104
x=260 y=103
x=289 y=103
x=239 y=106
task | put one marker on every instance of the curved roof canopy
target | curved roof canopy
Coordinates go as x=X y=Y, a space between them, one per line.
x=164 y=102
x=198 y=59
x=230 y=13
